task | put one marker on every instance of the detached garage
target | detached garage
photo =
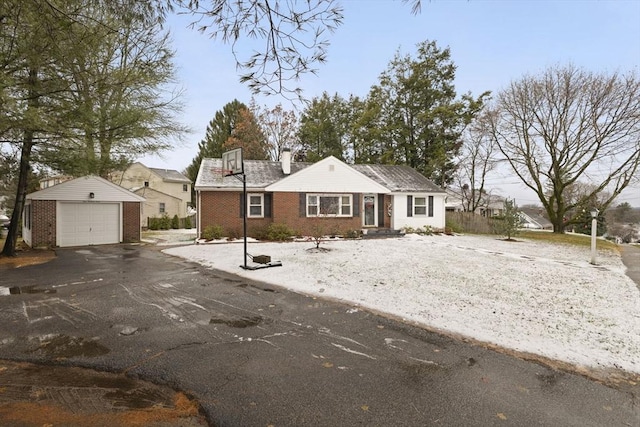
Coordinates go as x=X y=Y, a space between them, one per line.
x=84 y=211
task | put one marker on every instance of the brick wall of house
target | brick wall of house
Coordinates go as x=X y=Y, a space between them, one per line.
x=286 y=210
x=223 y=208
x=43 y=223
x=130 y=222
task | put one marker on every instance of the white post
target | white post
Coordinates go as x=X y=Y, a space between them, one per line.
x=594 y=229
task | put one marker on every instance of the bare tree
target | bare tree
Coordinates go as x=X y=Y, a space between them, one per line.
x=280 y=128
x=477 y=158
x=569 y=125
x=289 y=37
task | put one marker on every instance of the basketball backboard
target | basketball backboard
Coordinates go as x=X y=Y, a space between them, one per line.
x=232 y=162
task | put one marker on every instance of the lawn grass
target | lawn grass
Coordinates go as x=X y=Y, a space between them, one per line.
x=568 y=238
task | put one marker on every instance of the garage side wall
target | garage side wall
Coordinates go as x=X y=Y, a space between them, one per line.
x=43 y=220
x=130 y=222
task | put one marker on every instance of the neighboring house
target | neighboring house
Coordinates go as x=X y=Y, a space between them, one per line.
x=453 y=202
x=534 y=219
x=492 y=206
x=167 y=191
x=329 y=194
x=54 y=180
x=489 y=205
x=83 y=211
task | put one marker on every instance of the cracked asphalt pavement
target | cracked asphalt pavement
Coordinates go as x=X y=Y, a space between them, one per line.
x=169 y=335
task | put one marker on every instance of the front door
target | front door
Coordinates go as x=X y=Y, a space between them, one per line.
x=369 y=201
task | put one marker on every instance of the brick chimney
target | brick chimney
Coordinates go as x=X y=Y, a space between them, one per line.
x=285 y=159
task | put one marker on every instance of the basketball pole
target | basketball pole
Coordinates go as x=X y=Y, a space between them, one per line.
x=231 y=160
x=244 y=216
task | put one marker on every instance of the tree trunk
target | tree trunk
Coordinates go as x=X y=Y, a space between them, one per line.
x=558 y=225
x=23 y=181
x=25 y=160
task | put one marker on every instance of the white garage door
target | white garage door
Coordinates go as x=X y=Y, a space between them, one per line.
x=81 y=224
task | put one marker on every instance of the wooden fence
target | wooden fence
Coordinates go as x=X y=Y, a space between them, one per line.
x=468 y=222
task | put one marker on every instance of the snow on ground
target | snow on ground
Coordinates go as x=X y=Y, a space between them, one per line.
x=529 y=296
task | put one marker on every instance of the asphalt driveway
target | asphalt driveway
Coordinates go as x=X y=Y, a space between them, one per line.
x=257 y=355
x=631 y=260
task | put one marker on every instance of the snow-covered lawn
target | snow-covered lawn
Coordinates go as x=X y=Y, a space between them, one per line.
x=528 y=296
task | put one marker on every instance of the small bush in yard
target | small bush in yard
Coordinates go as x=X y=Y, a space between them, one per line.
x=279 y=232
x=175 y=222
x=452 y=227
x=213 y=232
x=233 y=234
x=165 y=222
x=426 y=230
x=259 y=233
x=353 y=234
x=510 y=224
x=187 y=223
x=154 y=223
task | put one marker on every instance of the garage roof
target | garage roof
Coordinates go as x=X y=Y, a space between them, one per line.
x=80 y=189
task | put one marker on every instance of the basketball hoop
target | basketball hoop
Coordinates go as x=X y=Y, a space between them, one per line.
x=232 y=162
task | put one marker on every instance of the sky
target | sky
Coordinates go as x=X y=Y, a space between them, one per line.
x=492 y=44
x=530 y=296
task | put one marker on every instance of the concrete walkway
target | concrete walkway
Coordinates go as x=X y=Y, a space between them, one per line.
x=631 y=259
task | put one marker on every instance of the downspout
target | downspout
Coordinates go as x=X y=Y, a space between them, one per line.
x=198 y=215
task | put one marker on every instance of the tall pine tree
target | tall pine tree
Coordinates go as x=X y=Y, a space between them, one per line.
x=219 y=129
x=232 y=127
x=324 y=129
x=422 y=117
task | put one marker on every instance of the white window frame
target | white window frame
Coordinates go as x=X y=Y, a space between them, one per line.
x=422 y=206
x=27 y=216
x=318 y=203
x=162 y=207
x=250 y=205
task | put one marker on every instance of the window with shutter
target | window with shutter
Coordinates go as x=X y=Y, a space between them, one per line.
x=255 y=205
x=334 y=205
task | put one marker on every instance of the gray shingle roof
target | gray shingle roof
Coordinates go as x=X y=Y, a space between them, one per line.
x=261 y=173
x=170 y=175
x=537 y=215
x=398 y=178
